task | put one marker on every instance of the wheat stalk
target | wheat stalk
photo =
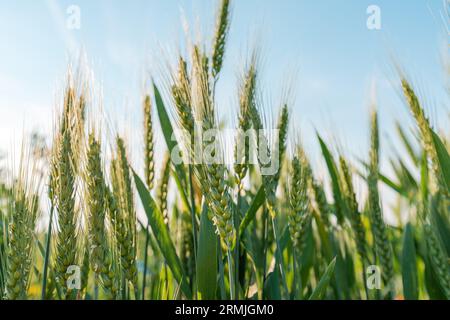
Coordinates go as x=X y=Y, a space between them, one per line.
x=382 y=246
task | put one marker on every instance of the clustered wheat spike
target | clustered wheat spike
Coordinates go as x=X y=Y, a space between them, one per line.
x=425 y=132
x=203 y=99
x=148 y=143
x=382 y=245
x=300 y=214
x=181 y=94
x=99 y=254
x=263 y=143
x=72 y=119
x=246 y=101
x=270 y=181
x=222 y=27
x=19 y=254
x=217 y=196
x=69 y=98
x=213 y=175
x=438 y=258
x=66 y=154
x=283 y=125
x=118 y=233
x=66 y=248
x=355 y=215
x=77 y=129
x=126 y=217
x=163 y=187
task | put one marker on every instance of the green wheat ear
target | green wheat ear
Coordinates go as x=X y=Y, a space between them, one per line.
x=438 y=258
x=355 y=215
x=181 y=95
x=382 y=245
x=246 y=101
x=66 y=247
x=99 y=249
x=213 y=176
x=300 y=214
x=220 y=36
x=426 y=134
x=271 y=181
x=123 y=206
x=20 y=244
x=163 y=187
x=149 y=163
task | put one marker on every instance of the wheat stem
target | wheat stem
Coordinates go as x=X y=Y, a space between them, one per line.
x=382 y=246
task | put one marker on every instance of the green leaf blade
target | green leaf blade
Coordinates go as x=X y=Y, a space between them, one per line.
x=334 y=175
x=321 y=288
x=206 y=268
x=409 y=265
x=171 y=143
x=257 y=202
x=162 y=236
x=443 y=158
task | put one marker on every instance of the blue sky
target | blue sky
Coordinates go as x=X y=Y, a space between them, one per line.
x=335 y=56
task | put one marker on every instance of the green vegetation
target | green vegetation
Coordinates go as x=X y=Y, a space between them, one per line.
x=219 y=231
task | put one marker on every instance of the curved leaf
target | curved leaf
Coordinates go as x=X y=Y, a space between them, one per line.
x=206 y=258
x=409 y=265
x=167 y=130
x=321 y=288
x=161 y=233
x=443 y=158
x=257 y=202
x=334 y=175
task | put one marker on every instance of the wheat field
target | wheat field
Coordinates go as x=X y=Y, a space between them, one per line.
x=260 y=227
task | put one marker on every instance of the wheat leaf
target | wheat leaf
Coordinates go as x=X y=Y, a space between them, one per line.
x=162 y=236
x=409 y=265
x=321 y=288
x=206 y=258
